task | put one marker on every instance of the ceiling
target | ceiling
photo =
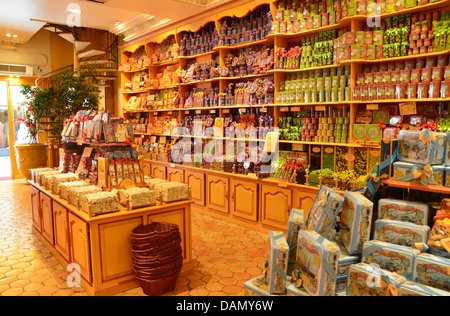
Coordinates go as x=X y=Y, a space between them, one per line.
x=25 y=17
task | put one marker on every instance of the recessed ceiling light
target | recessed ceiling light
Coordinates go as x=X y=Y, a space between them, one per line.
x=15 y=35
x=8 y=35
x=75 y=10
x=117 y=23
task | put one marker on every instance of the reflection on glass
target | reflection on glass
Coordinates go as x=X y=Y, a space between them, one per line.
x=21 y=134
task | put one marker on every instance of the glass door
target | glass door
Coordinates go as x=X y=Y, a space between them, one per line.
x=5 y=164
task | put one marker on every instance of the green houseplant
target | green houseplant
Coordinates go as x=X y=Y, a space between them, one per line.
x=48 y=108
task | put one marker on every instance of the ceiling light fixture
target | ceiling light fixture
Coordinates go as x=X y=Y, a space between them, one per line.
x=8 y=35
x=75 y=10
x=15 y=35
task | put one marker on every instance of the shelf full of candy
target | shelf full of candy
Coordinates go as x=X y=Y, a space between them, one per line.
x=202 y=41
x=253 y=60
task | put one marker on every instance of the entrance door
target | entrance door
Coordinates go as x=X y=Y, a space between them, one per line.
x=5 y=165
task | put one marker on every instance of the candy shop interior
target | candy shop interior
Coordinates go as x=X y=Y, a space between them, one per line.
x=322 y=127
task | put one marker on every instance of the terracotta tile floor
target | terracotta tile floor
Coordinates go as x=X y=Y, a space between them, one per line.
x=224 y=255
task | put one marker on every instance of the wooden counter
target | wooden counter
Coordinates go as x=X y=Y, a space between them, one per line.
x=261 y=204
x=101 y=245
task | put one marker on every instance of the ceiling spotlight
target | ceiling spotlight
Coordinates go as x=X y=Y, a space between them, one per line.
x=75 y=10
x=117 y=23
x=15 y=35
x=8 y=35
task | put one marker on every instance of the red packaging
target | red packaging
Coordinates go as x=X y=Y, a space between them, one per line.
x=422 y=90
x=435 y=89
x=411 y=91
x=400 y=91
x=445 y=89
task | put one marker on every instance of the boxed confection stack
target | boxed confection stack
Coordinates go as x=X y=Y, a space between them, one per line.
x=392 y=264
x=421 y=156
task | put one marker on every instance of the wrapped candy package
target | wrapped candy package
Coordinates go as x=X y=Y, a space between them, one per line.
x=257 y=287
x=410 y=172
x=34 y=173
x=390 y=257
x=152 y=182
x=317 y=263
x=57 y=179
x=433 y=271
x=405 y=211
x=137 y=197
x=421 y=147
x=277 y=263
x=44 y=175
x=324 y=211
x=66 y=186
x=356 y=219
x=99 y=203
x=172 y=191
x=296 y=220
x=400 y=233
x=366 y=280
x=75 y=193
x=410 y=288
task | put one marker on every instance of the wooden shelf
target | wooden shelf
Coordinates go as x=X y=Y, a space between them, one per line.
x=330 y=144
x=267 y=40
x=417 y=186
x=196 y=56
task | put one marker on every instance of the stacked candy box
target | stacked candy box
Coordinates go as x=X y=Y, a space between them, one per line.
x=355 y=223
x=410 y=288
x=390 y=257
x=317 y=263
x=276 y=263
x=324 y=211
x=65 y=187
x=400 y=233
x=296 y=221
x=258 y=287
x=366 y=280
x=421 y=147
x=432 y=271
x=406 y=211
x=410 y=172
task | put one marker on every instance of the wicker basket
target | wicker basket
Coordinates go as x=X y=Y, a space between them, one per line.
x=159 y=286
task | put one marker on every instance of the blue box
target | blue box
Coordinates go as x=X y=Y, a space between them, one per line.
x=410 y=288
x=405 y=211
x=356 y=220
x=277 y=262
x=322 y=216
x=257 y=287
x=404 y=171
x=388 y=148
x=433 y=271
x=400 y=233
x=421 y=147
x=296 y=221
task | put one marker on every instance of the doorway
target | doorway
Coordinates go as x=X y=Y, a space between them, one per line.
x=5 y=162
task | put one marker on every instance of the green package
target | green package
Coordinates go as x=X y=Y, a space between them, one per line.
x=411 y=3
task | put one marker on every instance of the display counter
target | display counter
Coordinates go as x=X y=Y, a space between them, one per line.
x=100 y=245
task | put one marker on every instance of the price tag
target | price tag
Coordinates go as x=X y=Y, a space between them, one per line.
x=372 y=106
x=320 y=108
x=285 y=109
x=295 y=109
x=408 y=108
x=212 y=111
x=263 y=110
x=282 y=184
x=242 y=110
x=252 y=175
x=226 y=111
x=186 y=112
x=198 y=112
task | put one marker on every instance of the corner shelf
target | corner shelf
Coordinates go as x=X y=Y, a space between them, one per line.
x=417 y=186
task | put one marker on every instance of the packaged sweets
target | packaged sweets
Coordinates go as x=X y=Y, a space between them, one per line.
x=367 y=280
x=294 y=290
x=388 y=148
x=296 y=221
x=433 y=271
x=172 y=191
x=257 y=287
x=356 y=219
x=137 y=197
x=421 y=147
x=345 y=259
x=324 y=211
x=64 y=188
x=410 y=288
x=99 y=203
x=447 y=151
x=34 y=173
x=390 y=257
x=405 y=211
x=317 y=263
x=40 y=174
x=440 y=232
x=409 y=172
x=76 y=192
x=55 y=180
x=400 y=233
x=277 y=262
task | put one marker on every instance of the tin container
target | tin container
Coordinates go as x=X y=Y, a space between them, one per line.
x=433 y=271
x=296 y=221
x=421 y=147
x=410 y=288
x=257 y=287
x=400 y=233
x=405 y=211
x=404 y=171
x=317 y=263
x=324 y=211
x=356 y=219
x=277 y=262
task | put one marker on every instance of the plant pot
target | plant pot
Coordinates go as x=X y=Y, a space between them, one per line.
x=30 y=156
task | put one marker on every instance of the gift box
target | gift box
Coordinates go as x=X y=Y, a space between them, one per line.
x=65 y=187
x=410 y=288
x=432 y=271
x=293 y=289
x=405 y=211
x=400 y=233
x=447 y=151
x=388 y=156
x=345 y=259
x=447 y=176
x=356 y=219
x=390 y=257
x=366 y=280
x=409 y=172
x=317 y=263
x=324 y=211
x=277 y=262
x=258 y=287
x=421 y=147
x=296 y=220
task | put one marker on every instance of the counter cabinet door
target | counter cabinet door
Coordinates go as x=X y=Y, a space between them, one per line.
x=244 y=199
x=275 y=206
x=36 y=208
x=196 y=181
x=175 y=175
x=60 y=228
x=159 y=172
x=79 y=245
x=47 y=218
x=217 y=193
x=303 y=200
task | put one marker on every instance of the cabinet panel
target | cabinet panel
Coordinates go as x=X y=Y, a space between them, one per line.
x=217 y=193
x=244 y=199
x=79 y=245
x=60 y=226
x=197 y=183
x=303 y=200
x=36 y=208
x=275 y=206
x=159 y=172
x=175 y=175
x=47 y=217
x=115 y=249
x=146 y=169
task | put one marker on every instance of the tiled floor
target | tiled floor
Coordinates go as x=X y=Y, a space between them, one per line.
x=225 y=255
